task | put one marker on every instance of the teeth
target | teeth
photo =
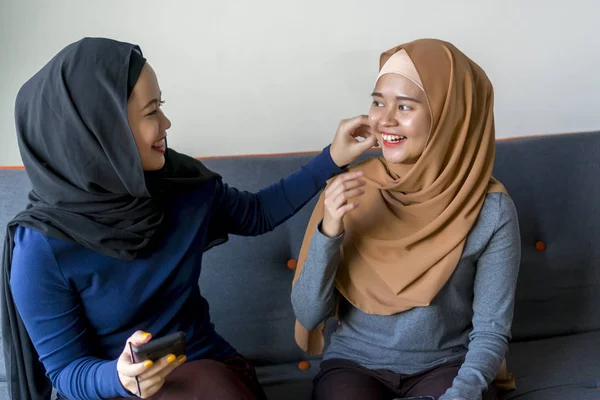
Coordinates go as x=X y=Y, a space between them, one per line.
x=393 y=138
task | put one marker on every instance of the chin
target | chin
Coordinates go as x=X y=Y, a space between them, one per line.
x=394 y=158
x=394 y=161
x=154 y=165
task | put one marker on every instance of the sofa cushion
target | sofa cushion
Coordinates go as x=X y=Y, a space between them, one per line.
x=557 y=368
x=565 y=367
x=286 y=381
x=292 y=390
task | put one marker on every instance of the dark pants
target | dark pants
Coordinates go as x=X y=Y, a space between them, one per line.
x=347 y=380
x=231 y=379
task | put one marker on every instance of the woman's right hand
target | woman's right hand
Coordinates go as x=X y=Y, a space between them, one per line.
x=338 y=202
x=151 y=375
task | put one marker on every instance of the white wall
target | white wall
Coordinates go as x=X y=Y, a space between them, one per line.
x=270 y=76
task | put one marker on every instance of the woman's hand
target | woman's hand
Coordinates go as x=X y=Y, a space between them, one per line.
x=151 y=375
x=338 y=202
x=346 y=147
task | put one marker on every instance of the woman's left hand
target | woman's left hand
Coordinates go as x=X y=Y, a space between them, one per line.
x=148 y=376
x=346 y=147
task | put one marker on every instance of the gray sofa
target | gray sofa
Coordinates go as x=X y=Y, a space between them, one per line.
x=555 y=351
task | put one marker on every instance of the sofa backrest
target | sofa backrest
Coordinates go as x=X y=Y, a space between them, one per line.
x=554 y=181
x=14 y=186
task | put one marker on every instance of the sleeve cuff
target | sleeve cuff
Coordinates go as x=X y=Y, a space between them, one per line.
x=326 y=165
x=462 y=393
x=329 y=241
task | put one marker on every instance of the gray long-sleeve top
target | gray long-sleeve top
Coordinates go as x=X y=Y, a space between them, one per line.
x=469 y=319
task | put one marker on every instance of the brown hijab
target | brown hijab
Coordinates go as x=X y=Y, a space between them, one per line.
x=403 y=244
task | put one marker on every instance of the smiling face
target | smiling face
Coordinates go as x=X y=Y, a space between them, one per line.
x=400 y=116
x=147 y=121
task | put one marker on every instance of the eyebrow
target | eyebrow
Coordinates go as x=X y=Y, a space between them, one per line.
x=377 y=94
x=153 y=101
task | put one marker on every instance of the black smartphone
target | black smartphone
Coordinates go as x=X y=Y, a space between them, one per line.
x=158 y=348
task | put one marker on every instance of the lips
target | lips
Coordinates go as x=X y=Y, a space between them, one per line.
x=160 y=145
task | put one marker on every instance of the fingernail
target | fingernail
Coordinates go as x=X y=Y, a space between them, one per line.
x=145 y=335
x=182 y=359
x=171 y=358
x=148 y=364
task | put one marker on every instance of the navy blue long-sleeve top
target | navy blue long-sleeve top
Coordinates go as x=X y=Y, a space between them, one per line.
x=80 y=307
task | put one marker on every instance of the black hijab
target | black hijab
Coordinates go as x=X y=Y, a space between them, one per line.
x=88 y=183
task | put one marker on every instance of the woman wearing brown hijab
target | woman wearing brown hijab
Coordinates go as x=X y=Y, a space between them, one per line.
x=418 y=259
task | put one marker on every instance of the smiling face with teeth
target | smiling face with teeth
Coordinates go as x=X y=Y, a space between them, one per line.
x=400 y=116
x=147 y=121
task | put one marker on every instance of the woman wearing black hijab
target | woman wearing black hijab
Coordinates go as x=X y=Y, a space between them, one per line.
x=108 y=251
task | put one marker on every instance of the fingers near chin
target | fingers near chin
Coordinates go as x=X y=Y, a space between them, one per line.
x=347 y=208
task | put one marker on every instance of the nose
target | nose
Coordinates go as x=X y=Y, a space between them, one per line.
x=388 y=117
x=165 y=122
